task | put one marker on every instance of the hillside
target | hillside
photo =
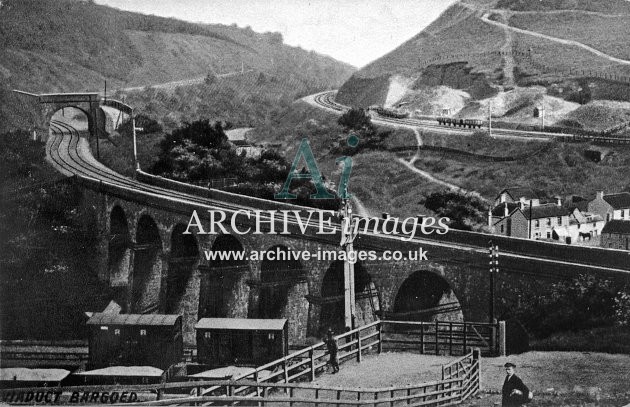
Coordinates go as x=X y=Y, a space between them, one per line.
x=71 y=45
x=576 y=50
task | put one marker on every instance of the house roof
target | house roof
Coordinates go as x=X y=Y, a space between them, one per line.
x=521 y=192
x=100 y=318
x=33 y=375
x=124 y=371
x=618 y=201
x=544 y=211
x=618 y=227
x=241 y=323
x=499 y=210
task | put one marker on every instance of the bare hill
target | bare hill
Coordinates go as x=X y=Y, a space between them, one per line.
x=485 y=47
x=71 y=45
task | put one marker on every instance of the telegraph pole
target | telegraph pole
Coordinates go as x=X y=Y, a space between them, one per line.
x=494 y=269
x=490 y=118
x=347 y=237
x=135 y=147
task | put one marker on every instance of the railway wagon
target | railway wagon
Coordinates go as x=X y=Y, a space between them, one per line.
x=241 y=341
x=393 y=113
x=470 y=123
x=135 y=340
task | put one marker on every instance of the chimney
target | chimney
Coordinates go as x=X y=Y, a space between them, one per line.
x=521 y=205
x=505 y=212
x=558 y=201
x=600 y=195
x=489 y=217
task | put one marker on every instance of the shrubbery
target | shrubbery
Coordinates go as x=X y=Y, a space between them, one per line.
x=467 y=212
x=199 y=152
x=47 y=246
x=581 y=303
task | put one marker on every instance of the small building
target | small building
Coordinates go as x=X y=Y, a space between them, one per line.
x=518 y=194
x=241 y=341
x=12 y=377
x=611 y=206
x=597 y=153
x=616 y=235
x=584 y=226
x=135 y=340
x=119 y=375
x=546 y=221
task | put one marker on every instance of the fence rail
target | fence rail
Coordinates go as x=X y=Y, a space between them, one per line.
x=441 y=337
x=276 y=383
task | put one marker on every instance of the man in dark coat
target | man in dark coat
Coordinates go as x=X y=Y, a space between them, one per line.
x=333 y=349
x=515 y=393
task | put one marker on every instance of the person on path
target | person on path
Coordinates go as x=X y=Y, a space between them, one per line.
x=333 y=350
x=514 y=391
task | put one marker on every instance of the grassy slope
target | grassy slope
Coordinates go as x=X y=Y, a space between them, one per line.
x=561 y=169
x=460 y=31
x=601 y=6
x=385 y=185
x=456 y=31
x=68 y=45
x=606 y=34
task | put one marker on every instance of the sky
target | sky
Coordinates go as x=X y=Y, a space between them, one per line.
x=353 y=31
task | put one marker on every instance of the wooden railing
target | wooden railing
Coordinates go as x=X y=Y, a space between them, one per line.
x=304 y=364
x=275 y=383
x=440 y=337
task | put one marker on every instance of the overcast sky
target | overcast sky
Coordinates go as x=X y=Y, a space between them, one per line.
x=353 y=31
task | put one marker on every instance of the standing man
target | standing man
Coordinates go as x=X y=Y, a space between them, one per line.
x=333 y=349
x=515 y=393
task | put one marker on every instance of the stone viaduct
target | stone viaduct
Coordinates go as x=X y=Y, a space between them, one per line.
x=154 y=268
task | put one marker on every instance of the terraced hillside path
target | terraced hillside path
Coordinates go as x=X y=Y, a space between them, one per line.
x=485 y=18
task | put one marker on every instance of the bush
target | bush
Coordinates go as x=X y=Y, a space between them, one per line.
x=356 y=119
x=584 y=302
x=465 y=211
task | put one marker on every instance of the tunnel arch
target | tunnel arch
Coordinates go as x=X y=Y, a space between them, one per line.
x=219 y=283
x=277 y=276
x=147 y=267
x=426 y=296
x=367 y=302
x=73 y=115
x=184 y=255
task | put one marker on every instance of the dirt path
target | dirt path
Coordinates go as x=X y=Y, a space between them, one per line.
x=426 y=175
x=506 y=50
x=591 y=13
x=184 y=82
x=592 y=50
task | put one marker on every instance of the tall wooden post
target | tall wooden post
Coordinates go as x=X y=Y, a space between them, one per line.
x=347 y=236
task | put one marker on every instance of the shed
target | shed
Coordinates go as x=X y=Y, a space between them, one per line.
x=135 y=340
x=25 y=377
x=240 y=341
x=129 y=375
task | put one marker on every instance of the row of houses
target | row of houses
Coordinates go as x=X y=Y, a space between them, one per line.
x=523 y=212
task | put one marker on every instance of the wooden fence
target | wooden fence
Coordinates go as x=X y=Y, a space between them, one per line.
x=441 y=337
x=276 y=383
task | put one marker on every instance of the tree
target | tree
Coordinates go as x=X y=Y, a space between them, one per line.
x=356 y=119
x=466 y=212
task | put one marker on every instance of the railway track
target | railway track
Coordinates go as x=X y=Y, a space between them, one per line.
x=327 y=101
x=68 y=151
